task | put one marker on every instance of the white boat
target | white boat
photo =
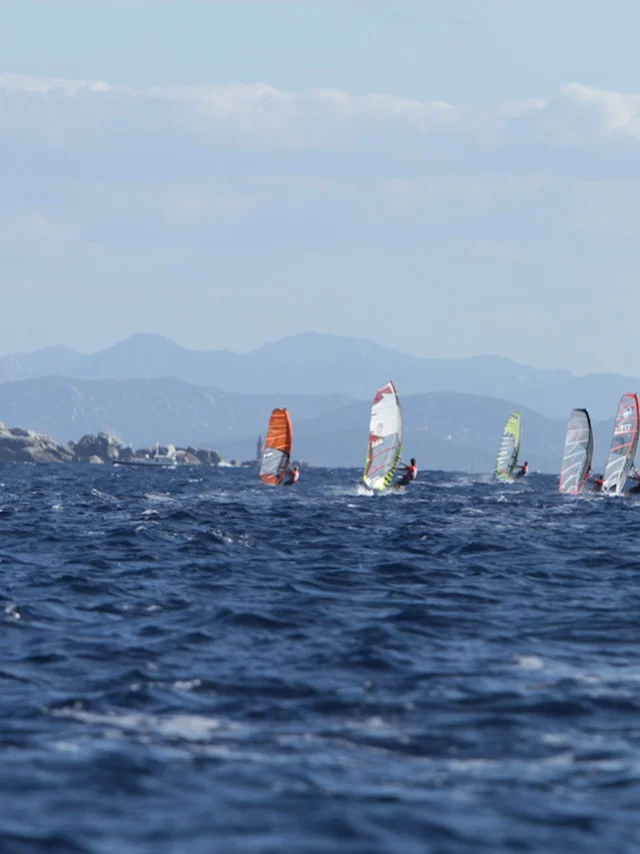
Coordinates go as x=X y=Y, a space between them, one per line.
x=156 y=460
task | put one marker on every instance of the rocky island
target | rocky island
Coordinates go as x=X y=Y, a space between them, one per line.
x=28 y=446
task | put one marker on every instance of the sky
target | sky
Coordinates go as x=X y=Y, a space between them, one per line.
x=445 y=177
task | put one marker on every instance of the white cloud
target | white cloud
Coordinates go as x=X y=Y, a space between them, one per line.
x=44 y=85
x=608 y=114
x=252 y=110
x=211 y=164
x=262 y=117
x=91 y=129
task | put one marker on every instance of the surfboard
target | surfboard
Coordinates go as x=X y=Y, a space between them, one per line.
x=385 y=438
x=276 y=451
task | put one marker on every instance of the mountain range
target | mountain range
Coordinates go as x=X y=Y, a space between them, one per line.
x=142 y=412
x=443 y=430
x=317 y=364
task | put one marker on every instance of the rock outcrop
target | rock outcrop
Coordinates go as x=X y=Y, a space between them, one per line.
x=211 y=458
x=19 y=445
x=104 y=445
x=27 y=446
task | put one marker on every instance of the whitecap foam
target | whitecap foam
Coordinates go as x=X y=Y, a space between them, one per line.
x=11 y=610
x=361 y=489
x=186 y=726
x=158 y=496
x=529 y=662
x=104 y=495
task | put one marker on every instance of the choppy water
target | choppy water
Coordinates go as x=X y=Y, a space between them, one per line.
x=192 y=662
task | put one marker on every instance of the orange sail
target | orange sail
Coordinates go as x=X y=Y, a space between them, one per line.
x=277 y=448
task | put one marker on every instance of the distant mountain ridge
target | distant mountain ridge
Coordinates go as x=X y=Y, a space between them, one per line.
x=448 y=431
x=443 y=430
x=313 y=363
x=143 y=411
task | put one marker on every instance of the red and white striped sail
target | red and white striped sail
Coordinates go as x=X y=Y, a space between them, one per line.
x=624 y=445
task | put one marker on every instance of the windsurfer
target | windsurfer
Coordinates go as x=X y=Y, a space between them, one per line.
x=410 y=473
x=597 y=482
x=293 y=475
x=521 y=471
x=634 y=475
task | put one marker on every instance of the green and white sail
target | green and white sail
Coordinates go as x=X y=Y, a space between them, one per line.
x=507 y=458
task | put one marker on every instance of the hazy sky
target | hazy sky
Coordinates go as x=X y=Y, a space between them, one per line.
x=447 y=177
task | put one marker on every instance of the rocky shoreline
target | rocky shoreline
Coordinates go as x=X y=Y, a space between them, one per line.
x=28 y=446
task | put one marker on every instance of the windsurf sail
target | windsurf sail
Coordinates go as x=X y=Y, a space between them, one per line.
x=276 y=452
x=578 y=453
x=507 y=458
x=624 y=445
x=385 y=438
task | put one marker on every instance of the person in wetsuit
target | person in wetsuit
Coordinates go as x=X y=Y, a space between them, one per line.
x=597 y=482
x=293 y=476
x=521 y=471
x=634 y=475
x=410 y=474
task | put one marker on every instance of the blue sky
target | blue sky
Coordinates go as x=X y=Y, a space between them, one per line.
x=447 y=178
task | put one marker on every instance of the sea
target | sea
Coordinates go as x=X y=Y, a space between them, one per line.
x=192 y=662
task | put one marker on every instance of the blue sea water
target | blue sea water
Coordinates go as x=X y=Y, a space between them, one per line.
x=192 y=662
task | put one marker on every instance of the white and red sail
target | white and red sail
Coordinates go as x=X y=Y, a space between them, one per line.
x=385 y=438
x=624 y=444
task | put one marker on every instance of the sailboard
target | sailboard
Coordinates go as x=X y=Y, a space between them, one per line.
x=276 y=451
x=507 y=458
x=578 y=453
x=385 y=438
x=624 y=444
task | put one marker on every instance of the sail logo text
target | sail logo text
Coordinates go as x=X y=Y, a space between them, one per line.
x=625 y=427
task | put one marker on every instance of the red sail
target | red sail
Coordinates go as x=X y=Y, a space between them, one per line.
x=277 y=448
